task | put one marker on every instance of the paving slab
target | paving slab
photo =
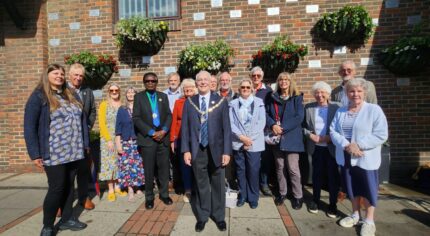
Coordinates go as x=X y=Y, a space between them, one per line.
x=266 y=209
x=23 y=199
x=5 y=175
x=257 y=226
x=29 y=180
x=185 y=226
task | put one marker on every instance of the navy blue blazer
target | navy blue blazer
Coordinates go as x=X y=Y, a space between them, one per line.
x=291 y=113
x=219 y=129
x=36 y=126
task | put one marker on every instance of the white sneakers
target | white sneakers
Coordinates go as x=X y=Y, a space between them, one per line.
x=349 y=221
x=366 y=228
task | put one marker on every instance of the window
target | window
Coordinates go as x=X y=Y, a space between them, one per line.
x=148 y=8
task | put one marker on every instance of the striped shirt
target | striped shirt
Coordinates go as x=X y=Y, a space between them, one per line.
x=348 y=123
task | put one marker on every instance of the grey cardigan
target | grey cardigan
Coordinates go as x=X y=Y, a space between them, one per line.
x=309 y=125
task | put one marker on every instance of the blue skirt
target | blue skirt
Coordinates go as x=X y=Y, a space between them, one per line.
x=359 y=182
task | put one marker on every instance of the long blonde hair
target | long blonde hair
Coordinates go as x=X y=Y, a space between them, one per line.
x=292 y=89
x=49 y=93
x=108 y=98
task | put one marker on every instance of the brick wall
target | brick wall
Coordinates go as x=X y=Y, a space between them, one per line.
x=406 y=107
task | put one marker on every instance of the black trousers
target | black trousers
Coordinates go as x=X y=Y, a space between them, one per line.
x=156 y=156
x=208 y=199
x=60 y=191
x=82 y=179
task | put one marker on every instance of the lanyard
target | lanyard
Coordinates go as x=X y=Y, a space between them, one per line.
x=152 y=101
x=276 y=112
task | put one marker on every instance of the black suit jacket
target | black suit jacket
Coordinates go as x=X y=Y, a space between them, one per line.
x=219 y=129
x=142 y=118
x=89 y=106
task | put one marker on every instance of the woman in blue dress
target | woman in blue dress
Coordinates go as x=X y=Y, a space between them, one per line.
x=130 y=166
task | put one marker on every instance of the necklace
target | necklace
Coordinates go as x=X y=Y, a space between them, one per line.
x=209 y=110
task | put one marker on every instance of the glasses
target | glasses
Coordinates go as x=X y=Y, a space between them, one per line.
x=113 y=90
x=150 y=81
x=256 y=75
x=245 y=87
x=346 y=70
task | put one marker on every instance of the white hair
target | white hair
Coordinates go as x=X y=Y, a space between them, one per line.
x=356 y=82
x=203 y=75
x=321 y=85
x=255 y=69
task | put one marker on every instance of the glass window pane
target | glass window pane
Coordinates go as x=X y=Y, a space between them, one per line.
x=162 y=8
x=129 y=8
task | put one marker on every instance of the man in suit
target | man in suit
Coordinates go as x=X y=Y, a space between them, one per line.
x=207 y=146
x=347 y=71
x=76 y=77
x=152 y=119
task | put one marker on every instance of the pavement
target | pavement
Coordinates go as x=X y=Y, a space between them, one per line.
x=400 y=211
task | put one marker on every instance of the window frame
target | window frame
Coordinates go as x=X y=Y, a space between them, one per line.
x=116 y=12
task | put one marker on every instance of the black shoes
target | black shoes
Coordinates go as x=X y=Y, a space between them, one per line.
x=297 y=203
x=72 y=224
x=266 y=191
x=253 y=205
x=240 y=202
x=149 y=204
x=313 y=207
x=279 y=200
x=332 y=211
x=200 y=226
x=167 y=200
x=48 y=231
x=221 y=225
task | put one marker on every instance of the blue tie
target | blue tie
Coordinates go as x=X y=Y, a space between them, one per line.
x=204 y=125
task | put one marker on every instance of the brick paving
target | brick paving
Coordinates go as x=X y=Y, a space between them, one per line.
x=158 y=221
x=288 y=220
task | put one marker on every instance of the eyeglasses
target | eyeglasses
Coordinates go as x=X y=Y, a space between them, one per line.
x=245 y=87
x=346 y=70
x=150 y=81
x=256 y=75
x=113 y=90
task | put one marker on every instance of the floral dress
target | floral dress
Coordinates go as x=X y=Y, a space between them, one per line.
x=108 y=159
x=130 y=164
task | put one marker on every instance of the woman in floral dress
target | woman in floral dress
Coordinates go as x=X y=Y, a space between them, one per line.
x=109 y=158
x=130 y=166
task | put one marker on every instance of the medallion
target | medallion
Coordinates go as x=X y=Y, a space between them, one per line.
x=154 y=115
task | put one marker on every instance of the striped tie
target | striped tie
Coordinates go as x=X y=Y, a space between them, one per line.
x=204 y=125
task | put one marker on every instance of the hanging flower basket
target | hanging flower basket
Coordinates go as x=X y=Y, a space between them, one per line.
x=98 y=69
x=349 y=25
x=142 y=35
x=212 y=57
x=280 y=56
x=408 y=56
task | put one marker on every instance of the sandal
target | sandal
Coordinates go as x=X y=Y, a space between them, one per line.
x=111 y=197
x=120 y=193
x=139 y=194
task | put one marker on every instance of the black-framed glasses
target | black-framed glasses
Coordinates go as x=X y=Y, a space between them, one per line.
x=153 y=81
x=245 y=87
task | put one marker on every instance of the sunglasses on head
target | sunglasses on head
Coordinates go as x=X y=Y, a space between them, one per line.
x=245 y=87
x=150 y=81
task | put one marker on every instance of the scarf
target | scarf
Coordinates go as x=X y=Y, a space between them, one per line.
x=245 y=111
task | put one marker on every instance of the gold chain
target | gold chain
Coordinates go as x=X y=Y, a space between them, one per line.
x=209 y=110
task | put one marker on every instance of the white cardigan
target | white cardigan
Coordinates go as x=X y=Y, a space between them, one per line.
x=370 y=131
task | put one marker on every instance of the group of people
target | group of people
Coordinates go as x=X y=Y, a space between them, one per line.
x=210 y=135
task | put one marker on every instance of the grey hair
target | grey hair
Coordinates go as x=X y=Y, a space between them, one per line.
x=250 y=84
x=255 y=69
x=351 y=62
x=224 y=73
x=203 y=75
x=170 y=75
x=188 y=82
x=321 y=85
x=126 y=91
x=356 y=82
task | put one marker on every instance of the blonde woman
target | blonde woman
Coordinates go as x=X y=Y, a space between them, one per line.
x=284 y=118
x=130 y=166
x=109 y=157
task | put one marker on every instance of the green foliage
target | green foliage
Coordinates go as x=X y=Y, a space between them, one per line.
x=409 y=55
x=98 y=69
x=279 y=56
x=138 y=28
x=212 y=57
x=349 y=25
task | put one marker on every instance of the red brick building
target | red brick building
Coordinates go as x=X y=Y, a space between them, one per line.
x=36 y=33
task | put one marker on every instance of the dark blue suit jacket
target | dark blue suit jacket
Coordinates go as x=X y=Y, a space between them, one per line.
x=219 y=129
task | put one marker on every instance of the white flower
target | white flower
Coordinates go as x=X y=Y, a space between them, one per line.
x=418 y=57
x=406 y=48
